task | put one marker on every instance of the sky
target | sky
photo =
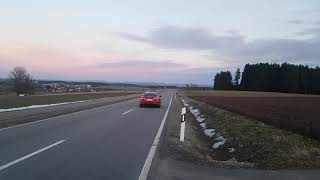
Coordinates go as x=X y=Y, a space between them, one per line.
x=181 y=41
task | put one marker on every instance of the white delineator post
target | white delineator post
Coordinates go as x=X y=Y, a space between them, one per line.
x=183 y=123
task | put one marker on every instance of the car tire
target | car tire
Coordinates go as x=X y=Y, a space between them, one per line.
x=141 y=105
x=159 y=106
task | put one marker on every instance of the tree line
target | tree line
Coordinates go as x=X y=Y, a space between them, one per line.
x=284 y=77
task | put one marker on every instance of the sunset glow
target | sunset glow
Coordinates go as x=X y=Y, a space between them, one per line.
x=171 y=42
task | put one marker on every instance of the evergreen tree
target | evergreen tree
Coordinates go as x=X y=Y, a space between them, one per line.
x=223 y=81
x=280 y=78
x=237 y=77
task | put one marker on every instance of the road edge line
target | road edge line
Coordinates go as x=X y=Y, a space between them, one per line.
x=146 y=167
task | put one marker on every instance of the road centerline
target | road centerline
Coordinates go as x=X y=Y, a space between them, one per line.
x=30 y=155
x=127 y=112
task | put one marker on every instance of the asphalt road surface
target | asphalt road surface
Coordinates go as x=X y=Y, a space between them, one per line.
x=109 y=142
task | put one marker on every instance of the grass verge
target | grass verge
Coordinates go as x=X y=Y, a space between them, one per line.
x=13 y=101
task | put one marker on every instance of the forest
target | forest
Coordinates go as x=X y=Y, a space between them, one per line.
x=289 y=78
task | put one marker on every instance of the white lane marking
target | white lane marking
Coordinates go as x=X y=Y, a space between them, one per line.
x=146 y=167
x=42 y=106
x=30 y=155
x=127 y=112
x=63 y=115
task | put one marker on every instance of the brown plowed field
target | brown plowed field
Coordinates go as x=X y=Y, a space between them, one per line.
x=300 y=114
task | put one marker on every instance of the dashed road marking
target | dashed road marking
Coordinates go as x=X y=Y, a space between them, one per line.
x=30 y=155
x=127 y=112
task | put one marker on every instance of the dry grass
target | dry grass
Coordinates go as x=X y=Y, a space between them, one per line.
x=256 y=142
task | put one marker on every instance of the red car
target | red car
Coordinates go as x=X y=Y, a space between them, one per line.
x=150 y=99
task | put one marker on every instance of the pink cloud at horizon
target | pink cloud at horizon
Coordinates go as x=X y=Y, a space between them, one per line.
x=53 y=63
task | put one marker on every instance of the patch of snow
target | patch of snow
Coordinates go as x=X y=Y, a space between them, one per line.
x=38 y=106
x=218 y=144
x=185 y=103
x=203 y=125
x=233 y=159
x=209 y=132
x=195 y=112
x=219 y=138
x=231 y=149
x=200 y=119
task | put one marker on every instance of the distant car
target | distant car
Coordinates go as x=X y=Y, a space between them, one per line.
x=150 y=99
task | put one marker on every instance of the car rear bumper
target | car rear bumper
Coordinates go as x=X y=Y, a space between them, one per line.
x=151 y=103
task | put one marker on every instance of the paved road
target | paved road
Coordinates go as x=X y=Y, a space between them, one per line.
x=109 y=142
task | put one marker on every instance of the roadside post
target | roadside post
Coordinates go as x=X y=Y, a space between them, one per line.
x=183 y=123
x=125 y=90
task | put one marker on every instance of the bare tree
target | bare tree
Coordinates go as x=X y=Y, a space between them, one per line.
x=22 y=81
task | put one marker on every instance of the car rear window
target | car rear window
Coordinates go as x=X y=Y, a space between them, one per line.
x=150 y=94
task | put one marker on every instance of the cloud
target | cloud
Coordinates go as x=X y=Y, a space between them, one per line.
x=132 y=36
x=233 y=45
x=296 y=21
x=50 y=63
x=313 y=11
x=47 y=62
x=141 y=64
x=185 y=38
x=153 y=71
x=314 y=31
x=139 y=68
x=303 y=22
